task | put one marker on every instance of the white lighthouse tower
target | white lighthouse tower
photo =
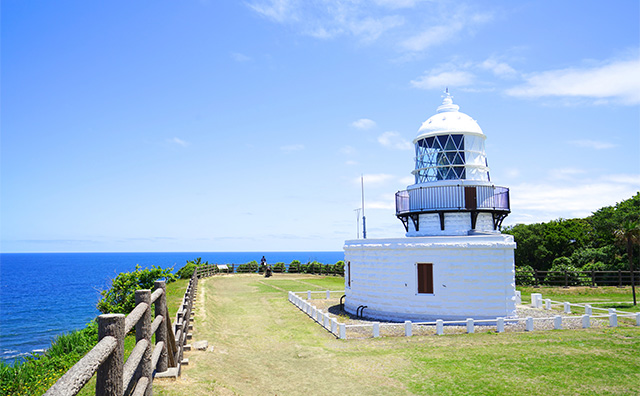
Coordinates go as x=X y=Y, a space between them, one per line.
x=454 y=263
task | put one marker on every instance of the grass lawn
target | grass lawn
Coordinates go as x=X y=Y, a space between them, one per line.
x=610 y=296
x=264 y=345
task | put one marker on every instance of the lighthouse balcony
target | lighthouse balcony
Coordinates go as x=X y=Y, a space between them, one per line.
x=474 y=199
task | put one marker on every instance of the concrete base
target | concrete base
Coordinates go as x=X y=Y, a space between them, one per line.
x=473 y=277
x=172 y=372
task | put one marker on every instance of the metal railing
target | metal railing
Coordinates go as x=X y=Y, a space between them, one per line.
x=443 y=198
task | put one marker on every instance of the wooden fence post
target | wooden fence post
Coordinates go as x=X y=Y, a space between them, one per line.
x=566 y=279
x=160 y=308
x=179 y=327
x=619 y=278
x=109 y=375
x=535 y=277
x=143 y=332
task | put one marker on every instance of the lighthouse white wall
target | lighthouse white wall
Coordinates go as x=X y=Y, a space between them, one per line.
x=473 y=276
x=455 y=223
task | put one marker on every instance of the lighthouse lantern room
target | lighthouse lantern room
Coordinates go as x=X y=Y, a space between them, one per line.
x=453 y=193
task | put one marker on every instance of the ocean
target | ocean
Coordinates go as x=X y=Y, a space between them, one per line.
x=43 y=295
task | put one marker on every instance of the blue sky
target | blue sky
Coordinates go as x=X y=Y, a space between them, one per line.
x=245 y=125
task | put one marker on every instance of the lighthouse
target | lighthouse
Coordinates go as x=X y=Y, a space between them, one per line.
x=453 y=263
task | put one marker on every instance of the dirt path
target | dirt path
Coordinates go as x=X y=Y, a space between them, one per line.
x=264 y=346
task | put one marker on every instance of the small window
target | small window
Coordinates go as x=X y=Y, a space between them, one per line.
x=425 y=278
x=349 y=273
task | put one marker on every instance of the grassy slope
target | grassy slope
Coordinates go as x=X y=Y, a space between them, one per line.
x=263 y=345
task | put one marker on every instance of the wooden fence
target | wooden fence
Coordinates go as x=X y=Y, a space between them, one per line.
x=114 y=375
x=577 y=278
x=310 y=268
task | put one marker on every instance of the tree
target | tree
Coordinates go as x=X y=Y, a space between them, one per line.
x=629 y=234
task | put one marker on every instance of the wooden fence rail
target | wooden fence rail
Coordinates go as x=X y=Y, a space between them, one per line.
x=116 y=377
x=578 y=278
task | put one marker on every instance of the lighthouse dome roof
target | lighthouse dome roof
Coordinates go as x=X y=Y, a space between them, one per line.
x=448 y=119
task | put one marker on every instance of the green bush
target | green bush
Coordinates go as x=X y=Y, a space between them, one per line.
x=313 y=267
x=557 y=275
x=120 y=297
x=278 y=267
x=186 y=272
x=339 y=268
x=524 y=276
x=251 y=266
x=294 y=267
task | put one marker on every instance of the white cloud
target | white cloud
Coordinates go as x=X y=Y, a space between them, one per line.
x=375 y=179
x=380 y=204
x=408 y=180
x=179 y=142
x=238 y=57
x=565 y=173
x=594 y=144
x=512 y=173
x=439 y=34
x=617 y=80
x=578 y=197
x=276 y=10
x=292 y=147
x=370 y=29
x=441 y=79
x=348 y=150
x=500 y=69
x=330 y=18
x=398 y=3
x=394 y=140
x=464 y=74
x=363 y=123
x=433 y=36
x=368 y=21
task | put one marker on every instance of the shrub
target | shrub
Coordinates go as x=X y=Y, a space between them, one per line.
x=339 y=268
x=186 y=272
x=524 y=276
x=294 y=267
x=278 y=267
x=313 y=267
x=562 y=267
x=120 y=297
x=251 y=266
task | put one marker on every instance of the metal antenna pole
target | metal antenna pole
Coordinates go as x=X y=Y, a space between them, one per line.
x=364 y=219
x=357 y=222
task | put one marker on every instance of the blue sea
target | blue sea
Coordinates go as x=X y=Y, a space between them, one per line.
x=43 y=295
